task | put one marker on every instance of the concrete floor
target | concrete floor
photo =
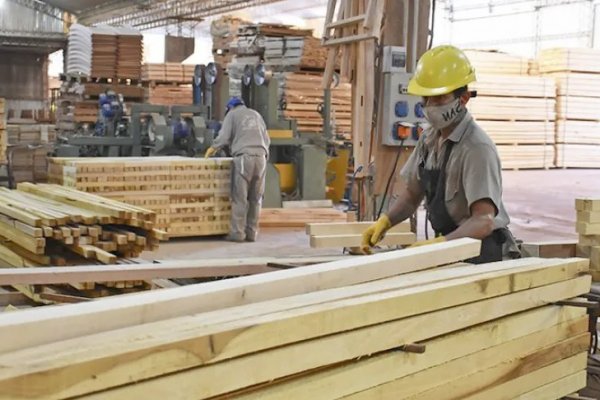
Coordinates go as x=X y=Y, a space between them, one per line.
x=541 y=206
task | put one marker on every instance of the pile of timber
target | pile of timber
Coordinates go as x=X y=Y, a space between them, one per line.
x=168 y=72
x=577 y=75
x=53 y=225
x=588 y=227
x=30 y=133
x=298 y=217
x=129 y=54
x=104 y=52
x=190 y=196
x=499 y=63
x=349 y=234
x=170 y=94
x=302 y=95
x=224 y=31
x=384 y=326
x=28 y=148
x=518 y=112
x=3 y=137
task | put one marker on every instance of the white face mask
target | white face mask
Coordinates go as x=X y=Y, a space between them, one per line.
x=443 y=116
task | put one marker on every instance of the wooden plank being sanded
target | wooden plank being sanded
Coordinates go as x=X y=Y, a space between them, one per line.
x=36 y=327
x=149 y=271
x=353 y=240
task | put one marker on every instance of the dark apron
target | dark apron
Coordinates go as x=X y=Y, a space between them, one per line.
x=433 y=184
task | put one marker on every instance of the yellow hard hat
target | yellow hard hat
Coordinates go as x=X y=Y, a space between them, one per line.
x=441 y=70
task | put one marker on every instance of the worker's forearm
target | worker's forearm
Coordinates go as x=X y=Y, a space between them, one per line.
x=402 y=209
x=476 y=227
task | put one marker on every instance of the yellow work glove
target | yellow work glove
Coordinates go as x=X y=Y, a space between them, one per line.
x=439 y=239
x=375 y=233
x=210 y=152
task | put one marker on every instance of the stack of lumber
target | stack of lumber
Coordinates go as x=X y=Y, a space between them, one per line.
x=349 y=234
x=294 y=52
x=298 y=217
x=31 y=133
x=169 y=94
x=498 y=63
x=518 y=112
x=189 y=196
x=104 y=52
x=344 y=329
x=224 y=31
x=168 y=72
x=588 y=228
x=302 y=96
x=3 y=135
x=53 y=225
x=577 y=75
x=129 y=54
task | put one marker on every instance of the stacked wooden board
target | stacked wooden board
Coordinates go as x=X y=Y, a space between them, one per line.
x=345 y=329
x=3 y=135
x=518 y=112
x=190 y=196
x=298 y=217
x=577 y=75
x=588 y=227
x=224 y=31
x=349 y=234
x=169 y=94
x=168 y=72
x=104 y=54
x=31 y=133
x=498 y=63
x=129 y=54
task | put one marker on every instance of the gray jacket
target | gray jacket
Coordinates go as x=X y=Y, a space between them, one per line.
x=245 y=132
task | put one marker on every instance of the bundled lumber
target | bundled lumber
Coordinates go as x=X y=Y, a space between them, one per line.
x=577 y=132
x=519 y=132
x=170 y=94
x=553 y=249
x=129 y=54
x=513 y=86
x=513 y=108
x=343 y=329
x=168 y=72
x=349 y=234
x=526 y=156
x=31 y=133
x=578 y=108
x=588 y=228
x=495 y=62
x=577 y=156
x=189 y=196
x=3 y=135
x=104 y=52
x=298 y=217
x=224 y=31
x=569 y=59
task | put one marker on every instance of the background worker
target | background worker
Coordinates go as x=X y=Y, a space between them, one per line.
x=455 y=165
x=245 y=133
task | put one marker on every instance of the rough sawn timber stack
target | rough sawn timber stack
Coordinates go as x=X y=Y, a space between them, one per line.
x=190 y=196
x=588 y=228
x=327 y=331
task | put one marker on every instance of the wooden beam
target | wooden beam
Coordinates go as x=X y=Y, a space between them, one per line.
x=560 y=249
x=586 y=228
x=294 y=327
x=559 y=388
x=446 y=361
x=346 y=22
x=346 y=228
x=303 y=356
x=354 y=240
x=112 y=313
x=349 y=39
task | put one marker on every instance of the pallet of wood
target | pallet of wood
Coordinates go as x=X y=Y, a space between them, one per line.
x=588 y=228
x=129 y=54
x=224 y=31
x=569 y=59
x=513 y=86
x=170 y=94
x=513 y=108
x=190 y=196
x=518 y=132
x=3 y=133
x=577 y=132
x=349 y=234
x=104 y=52
x=298 y=218
x=390 y=325
x=31 y=133
x=526 y=156
x=577 y=156
x=167 y=72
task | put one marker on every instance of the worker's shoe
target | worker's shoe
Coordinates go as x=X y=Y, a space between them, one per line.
x=234 y=238
x=250 y=238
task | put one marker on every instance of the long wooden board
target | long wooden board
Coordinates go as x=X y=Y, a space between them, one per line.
x=45 y=326
x=577 y=156
x=513 y=109
x=575 y=107
x=303 y=356
x=577 y=132
x=347 y=228
x=526 y=156
x=353 y=240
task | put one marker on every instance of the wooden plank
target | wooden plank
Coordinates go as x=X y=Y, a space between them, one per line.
x=285 y=361
x=351 y=313
x=587 y=205
x=592 y=217
x=35 y=245
x=586 y=228
x=558 y=389
x=560 y=249
x=308 y=204
x=113 y=313
x=354 y=240
x=340 y=228
x=346 y=22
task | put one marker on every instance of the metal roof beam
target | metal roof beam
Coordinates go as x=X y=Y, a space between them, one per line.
x=41 y=7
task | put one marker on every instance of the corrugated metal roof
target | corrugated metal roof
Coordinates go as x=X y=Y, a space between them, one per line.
x=79 y=6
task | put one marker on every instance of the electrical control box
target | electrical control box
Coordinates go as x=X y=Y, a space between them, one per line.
x=403 y=115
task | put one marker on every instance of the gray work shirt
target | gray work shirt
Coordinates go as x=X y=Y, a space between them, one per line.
x=245 y=132
x=473 y=171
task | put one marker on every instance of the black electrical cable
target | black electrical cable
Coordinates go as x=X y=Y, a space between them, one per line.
x=387 y=186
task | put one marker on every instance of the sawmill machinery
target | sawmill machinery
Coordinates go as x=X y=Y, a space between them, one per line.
x=145 y=130
x=297 y=162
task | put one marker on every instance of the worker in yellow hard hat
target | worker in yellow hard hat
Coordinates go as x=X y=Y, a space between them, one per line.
x=455 y=165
